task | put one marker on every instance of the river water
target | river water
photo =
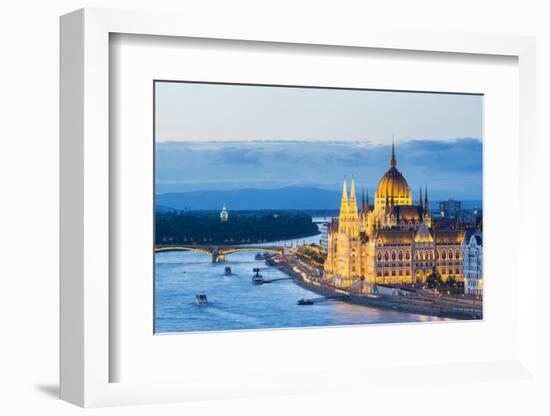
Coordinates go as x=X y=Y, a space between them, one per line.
x=235 y=303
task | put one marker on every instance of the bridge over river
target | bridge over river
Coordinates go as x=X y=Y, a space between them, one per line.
x=218 y=253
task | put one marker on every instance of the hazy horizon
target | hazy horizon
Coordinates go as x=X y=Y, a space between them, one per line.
x=450 y=169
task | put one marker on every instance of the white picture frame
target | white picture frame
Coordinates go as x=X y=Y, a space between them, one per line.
x=86 y=355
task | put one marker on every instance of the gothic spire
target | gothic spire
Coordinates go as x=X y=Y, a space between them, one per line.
x=420 y=199
x=344 y=203
x=352 y=199
x=393 y=162
x=353 y=216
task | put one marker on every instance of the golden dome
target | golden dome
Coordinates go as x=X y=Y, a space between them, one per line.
x=393 y=184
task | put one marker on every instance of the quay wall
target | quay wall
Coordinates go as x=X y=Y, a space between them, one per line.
x=399 y=303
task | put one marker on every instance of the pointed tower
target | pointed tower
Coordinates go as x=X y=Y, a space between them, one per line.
x=344 y=201
x=352 y=199
x=420 y=199
x=393 y=162
x=363 y=202
x=366 y=224
x=344 y=208
x=427 y=214
x=352 y=212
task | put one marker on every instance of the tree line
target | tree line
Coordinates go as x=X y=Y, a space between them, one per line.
x=241 y=227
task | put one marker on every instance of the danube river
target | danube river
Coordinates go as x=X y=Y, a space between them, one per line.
x=235 y=303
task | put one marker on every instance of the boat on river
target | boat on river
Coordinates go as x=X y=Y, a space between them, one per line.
x=257 y=279
x=201 y=299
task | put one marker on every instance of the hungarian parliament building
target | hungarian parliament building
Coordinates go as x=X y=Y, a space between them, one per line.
x=393 y=242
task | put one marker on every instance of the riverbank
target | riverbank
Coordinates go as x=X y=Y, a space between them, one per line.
x=408 y=304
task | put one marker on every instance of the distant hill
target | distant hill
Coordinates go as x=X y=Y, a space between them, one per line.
x=163 y=208
x=301 y=198
x=251 y=199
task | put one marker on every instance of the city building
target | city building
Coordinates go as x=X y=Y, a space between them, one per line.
x=324 y=237
x=392 y=242
x=450 y=209
x=224 y=215
x=473 y=263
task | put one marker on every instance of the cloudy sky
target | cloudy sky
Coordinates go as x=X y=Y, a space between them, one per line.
x=232 y=136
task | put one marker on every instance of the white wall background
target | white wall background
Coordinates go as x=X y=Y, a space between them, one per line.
x=29 y=82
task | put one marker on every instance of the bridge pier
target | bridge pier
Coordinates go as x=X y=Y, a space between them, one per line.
x=217 y=257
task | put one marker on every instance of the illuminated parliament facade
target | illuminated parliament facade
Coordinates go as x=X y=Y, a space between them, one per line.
x=392 y=242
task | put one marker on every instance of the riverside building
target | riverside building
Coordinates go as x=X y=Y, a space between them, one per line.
x=473 y=263
x=391 y=242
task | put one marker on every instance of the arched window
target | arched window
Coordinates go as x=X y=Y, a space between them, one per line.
x=457 y=255
x=379 y=256
x=393 y=255
x=443 y=254
x=386 y=256
x=450 y=254
x=407 y=255
x=423 y=255
x=437 y=254
x=400 y=255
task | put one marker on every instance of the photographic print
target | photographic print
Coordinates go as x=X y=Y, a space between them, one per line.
x=295 y=207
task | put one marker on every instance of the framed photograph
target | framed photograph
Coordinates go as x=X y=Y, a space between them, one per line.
x=319 y=201
x=255 y=218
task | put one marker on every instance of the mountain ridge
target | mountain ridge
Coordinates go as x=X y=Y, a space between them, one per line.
x=301 y=198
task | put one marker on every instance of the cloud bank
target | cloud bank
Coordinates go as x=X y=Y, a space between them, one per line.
x=449 y=168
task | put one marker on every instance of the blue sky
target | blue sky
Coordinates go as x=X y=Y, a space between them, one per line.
x=186 y=111
x=233 y=136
